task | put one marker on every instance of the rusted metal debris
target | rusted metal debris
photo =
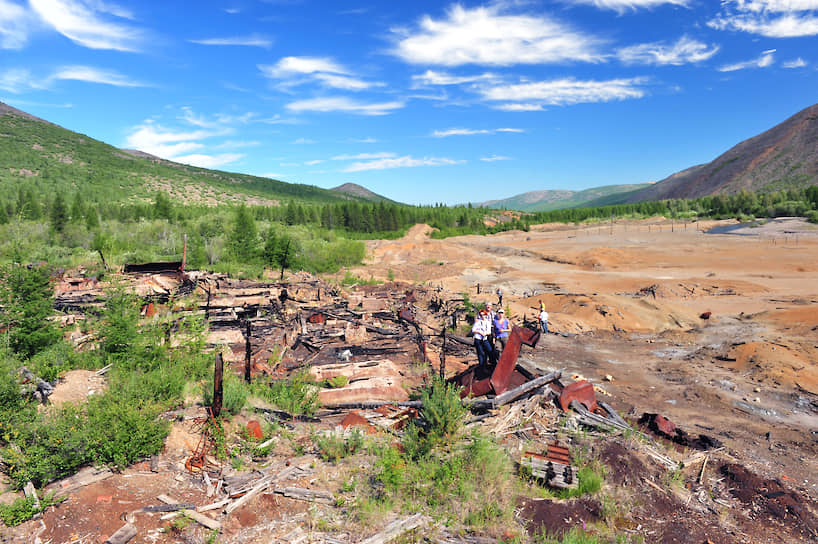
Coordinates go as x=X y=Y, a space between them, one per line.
x=502 y=376
x=664 y=428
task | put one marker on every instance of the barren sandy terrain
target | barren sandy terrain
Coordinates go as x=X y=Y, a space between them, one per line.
x=628 y=299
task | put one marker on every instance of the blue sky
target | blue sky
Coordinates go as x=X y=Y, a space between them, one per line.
x=420 y=101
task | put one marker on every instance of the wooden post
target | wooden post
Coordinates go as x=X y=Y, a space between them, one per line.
x=217 y=386
x=247 y=352
x=207 y=308
x=443 y=353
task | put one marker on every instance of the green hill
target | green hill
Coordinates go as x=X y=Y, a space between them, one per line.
x=544 y=201
x=45 y=158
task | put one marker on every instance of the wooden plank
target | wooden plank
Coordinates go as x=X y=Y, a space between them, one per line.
x=208 y=522
x=123 y=535
x=395 y=529
x=309 y=495
x=260 y=486
x=552 y=472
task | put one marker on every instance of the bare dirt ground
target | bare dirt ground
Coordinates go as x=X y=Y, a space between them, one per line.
x=629 y=297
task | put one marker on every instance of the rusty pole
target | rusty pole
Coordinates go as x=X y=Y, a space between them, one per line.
x=247 y=352
x=217 y=386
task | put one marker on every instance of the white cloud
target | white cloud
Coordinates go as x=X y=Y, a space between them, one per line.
x=797 y=63
x=292 y=71
x=168 y=144
x=15 y=22
x=90 y=74
x=519 y=107
x=232 y=11
x=367 y=140
x=18 y=80
x=770 y=18
x=399 y=162
x=81 y=23
x=766 y=59
x=684 y=51
x=786 y=26
x=219 y=121
x=470 y=131
x=774 y=5
x=304 y=141
x=209 y=161
x=343 y=104
x=431 y=77
x=313 y=162
x=253 y=40
x=363 y=156
x=560 y=92
x=488 y=36
x=624 y=5
x=495 y=158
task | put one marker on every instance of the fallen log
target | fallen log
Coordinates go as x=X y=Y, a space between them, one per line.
x=123 y=535
x=309 y=495
x=515 y=393
x=395 y=529
x=201 y=519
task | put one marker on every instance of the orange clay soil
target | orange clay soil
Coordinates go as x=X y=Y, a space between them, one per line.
x=629 y=298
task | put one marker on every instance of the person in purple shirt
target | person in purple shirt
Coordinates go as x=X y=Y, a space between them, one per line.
x=502 y=328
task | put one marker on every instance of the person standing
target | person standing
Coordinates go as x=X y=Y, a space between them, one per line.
x=543 y=319
x=499 y=297
x=502 y=328
x=481 y=330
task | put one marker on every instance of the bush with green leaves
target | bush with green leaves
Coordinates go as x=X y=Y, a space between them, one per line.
x=443 y=411
x=296 y=396
x=234 y=393
x=335 y=446
x=25 y=508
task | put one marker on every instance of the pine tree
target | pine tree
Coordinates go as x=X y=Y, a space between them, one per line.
x=244 y=236
x=27 y=298
x=77 y=207
x=59 y=213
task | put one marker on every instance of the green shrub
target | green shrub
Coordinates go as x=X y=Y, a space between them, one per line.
x=334 y=446
x=297 y=396
x=443 y=410
x=234 y=393
x=23 y=509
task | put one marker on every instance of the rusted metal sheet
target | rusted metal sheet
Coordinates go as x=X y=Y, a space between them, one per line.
x=387 y=388
x=501 y=377
x=317 y=318
x=581 y=391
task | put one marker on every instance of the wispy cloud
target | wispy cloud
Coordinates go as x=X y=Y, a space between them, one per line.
x=764 y=60
x=432 y=77
x=495 y=158
x=15 y=23
x=685 y=50
x=621 y=6
x=19 y=80
x=82 y=22
x=770 y=18
x=399 y=162
x=292 y=71
x=209 y=161
x=797 y=63
x=253 y=40
x=363 y=156
x=304 y=141
x=489 y=35
x=90 y=74
x=345 y=105
x=531 y=96
x=367 y=140
x=471 y=131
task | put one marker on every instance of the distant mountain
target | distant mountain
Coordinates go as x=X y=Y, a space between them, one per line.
x=43 y=157
x=783 y=157
x=356 y=190
x=543 y=201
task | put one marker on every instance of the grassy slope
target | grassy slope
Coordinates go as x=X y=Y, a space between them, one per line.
x=46 y=157
x=543 y=201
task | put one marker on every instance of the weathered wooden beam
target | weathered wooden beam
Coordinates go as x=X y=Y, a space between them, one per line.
x=309 y=495
x=395 y=529
x=123 y=535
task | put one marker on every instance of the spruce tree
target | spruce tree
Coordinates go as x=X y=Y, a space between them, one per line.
x=59 y=213
x=27 y=298
x=244 y=236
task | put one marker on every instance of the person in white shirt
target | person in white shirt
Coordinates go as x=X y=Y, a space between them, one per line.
x=482 y=331
x=544 y=321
